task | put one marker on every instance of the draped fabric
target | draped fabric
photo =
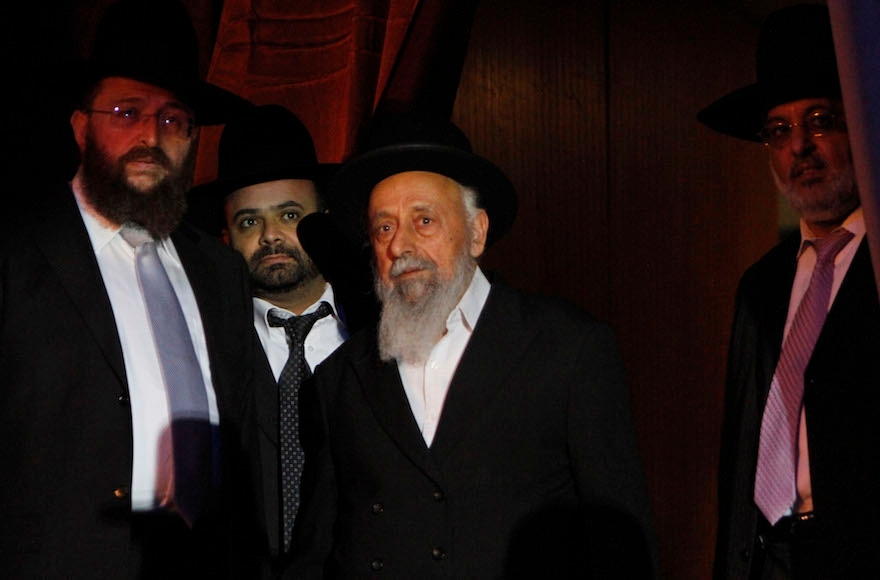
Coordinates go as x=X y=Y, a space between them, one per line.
x=333 y=62
x=856 y=28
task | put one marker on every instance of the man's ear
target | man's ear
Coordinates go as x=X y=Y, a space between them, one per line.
x=79 y=121
x=479 y=230
x=224 y=235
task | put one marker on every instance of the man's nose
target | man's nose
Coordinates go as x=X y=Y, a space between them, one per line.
x=802 y=140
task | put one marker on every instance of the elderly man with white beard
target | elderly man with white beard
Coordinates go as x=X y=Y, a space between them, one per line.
x=482 y=432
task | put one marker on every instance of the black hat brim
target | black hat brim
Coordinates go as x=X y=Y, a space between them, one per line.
x=212 y=104
x=350 y=189
x=737 y=114
x=742 y=113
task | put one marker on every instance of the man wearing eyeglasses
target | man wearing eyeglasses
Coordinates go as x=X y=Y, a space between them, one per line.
x=799 y=459
x=126 y=340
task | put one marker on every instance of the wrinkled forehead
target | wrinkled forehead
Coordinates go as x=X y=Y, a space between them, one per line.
x=413 y=189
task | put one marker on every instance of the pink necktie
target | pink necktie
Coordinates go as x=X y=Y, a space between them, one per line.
x=776 y=475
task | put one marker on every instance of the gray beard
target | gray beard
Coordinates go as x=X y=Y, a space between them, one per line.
x=833 y=200
x=158 y=210
x=414 y=313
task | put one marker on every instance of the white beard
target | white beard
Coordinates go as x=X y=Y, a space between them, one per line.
x=414 y=312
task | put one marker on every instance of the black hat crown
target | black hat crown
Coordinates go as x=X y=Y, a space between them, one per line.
x=400 y=142
x=795 y=60
x=268 y=143
x=153 y=41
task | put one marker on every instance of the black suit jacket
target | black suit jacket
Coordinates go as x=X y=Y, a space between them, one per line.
x=842 y=405
x=533 y=471
x=65 y=415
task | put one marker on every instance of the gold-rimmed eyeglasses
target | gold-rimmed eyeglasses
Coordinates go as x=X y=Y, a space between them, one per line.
x=171 y=121
x=818 y=123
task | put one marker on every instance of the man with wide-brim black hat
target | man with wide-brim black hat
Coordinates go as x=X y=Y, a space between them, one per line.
x=482 y=432
x=127 y=340
x=269 y=181
x=799 y=463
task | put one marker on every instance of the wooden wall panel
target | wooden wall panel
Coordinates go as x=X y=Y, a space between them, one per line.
x=532 y=99
x=702 y=208
x=630 y=208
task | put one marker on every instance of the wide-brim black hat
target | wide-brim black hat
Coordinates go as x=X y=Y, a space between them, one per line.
x=397 y=143
x=266 y=143
x=795 y=60
x=153 y=41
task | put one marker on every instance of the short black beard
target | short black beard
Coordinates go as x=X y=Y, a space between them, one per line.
x=158 y=210
x=281 y=278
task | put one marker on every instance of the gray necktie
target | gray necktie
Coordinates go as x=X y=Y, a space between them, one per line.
x=292 y=375
x=191 y=432
x=776 y=473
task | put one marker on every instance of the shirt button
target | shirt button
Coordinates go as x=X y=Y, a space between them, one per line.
x=438 y=553
x=377 y=565
x=378 y=508
x=438 y=496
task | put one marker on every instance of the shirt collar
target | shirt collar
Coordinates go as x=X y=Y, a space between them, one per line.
x=854 y=223
x=263 y=307
x=101 y=234
x=472 y=302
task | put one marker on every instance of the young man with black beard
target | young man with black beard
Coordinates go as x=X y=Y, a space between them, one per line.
x=126 y=349
x=268 y=182
x=482 y=432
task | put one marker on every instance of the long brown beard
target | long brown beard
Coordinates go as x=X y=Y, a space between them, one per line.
x=158 y=210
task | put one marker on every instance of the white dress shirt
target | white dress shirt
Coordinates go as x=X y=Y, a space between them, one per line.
x=426 y=385
x=323 y=338
x=152 y=463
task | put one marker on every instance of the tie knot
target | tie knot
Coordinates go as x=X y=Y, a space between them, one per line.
x=827 y=248
x=135 y=235
x=297 y=327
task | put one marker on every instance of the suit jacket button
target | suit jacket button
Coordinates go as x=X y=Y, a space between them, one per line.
x=376 y=565
x=438 y=553
x=120 y=492
x=438 y=496
x=377 y=508
x=122 y=400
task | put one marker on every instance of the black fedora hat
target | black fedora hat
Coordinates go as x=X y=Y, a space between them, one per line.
x=266 y=143
x=795 y=60
x=400 y=142
x=153 y=41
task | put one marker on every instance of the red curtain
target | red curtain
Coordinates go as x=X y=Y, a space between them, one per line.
x=333 y=62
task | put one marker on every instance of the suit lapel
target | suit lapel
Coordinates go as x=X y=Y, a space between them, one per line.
x=68 y=250
x=498 y=342
x=381 y=386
